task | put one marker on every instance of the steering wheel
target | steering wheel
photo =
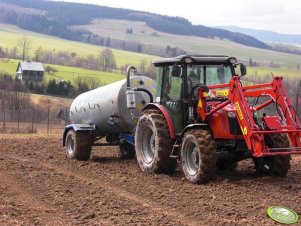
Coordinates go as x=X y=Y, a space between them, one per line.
x=195 y=88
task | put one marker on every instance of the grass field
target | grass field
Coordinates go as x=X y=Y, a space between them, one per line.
x=65 y=73
x=285 y=73
x=10 y=34
x=192 y=44
x=116 y=28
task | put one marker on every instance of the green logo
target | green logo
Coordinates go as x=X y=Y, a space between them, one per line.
x=282 y=214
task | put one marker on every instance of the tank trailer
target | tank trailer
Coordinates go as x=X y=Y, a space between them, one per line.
x=197 y=114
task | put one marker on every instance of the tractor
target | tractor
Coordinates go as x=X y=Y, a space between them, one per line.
x=205 y=119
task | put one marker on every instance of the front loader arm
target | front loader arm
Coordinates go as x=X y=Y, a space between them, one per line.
x=253 y=133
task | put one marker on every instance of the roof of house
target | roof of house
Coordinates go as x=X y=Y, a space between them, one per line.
x=30 y=66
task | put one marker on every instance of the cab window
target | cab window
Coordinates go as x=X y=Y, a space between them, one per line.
x=171 y=89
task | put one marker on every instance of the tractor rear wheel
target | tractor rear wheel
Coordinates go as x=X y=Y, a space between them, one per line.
x=153 y=143
x=78 y=145
x=277 y=165
x=198 y=155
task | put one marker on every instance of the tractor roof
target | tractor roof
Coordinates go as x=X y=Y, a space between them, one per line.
x=195 y=59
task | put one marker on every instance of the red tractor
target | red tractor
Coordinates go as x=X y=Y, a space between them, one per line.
x=204 y=116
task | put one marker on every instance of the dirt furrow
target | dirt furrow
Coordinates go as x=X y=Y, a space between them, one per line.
x=109 y=191
x=145 y=203
x=22 y=197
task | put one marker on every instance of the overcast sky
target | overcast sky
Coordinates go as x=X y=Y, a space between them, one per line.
x=283 y=16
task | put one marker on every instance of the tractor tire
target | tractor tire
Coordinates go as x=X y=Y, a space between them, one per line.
x=153 y=143
x=78 y=145
x=277 y=165
x=226 y=165
x=127 y=151
x=198 y=156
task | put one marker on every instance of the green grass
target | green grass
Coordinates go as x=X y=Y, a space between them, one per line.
x=285 y=73
x=65 y=73
x=8 y=66
x=71 y=73
x=10 y=34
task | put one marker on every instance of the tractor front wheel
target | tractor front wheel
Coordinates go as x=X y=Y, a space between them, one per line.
x=198 y=155
x=78 y=145
x=277 y=165
x=153 y=143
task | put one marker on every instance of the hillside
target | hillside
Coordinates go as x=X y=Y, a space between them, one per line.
x=266 y=36
x=191 y=44
x=10 y=34
x=54 y=18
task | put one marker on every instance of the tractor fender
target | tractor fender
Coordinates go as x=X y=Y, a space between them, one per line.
x=194 y=126
x=166 y=116
x=76 y=128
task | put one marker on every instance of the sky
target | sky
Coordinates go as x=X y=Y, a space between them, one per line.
x=282 y=16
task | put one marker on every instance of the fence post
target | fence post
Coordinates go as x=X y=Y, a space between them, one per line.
x=19 y=120
x=48 y=118
x=32 y=122
x=3 y=111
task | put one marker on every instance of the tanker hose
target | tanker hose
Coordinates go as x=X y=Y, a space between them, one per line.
x=151 y=98
x=128 y=85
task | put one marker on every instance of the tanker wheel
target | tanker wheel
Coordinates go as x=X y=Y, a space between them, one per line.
x=127 y=151
x=78 y=145
x=277 y=165
x=226 y=165
x=198 y=155
x=153 y=143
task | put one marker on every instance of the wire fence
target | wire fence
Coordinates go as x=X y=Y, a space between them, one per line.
x=46 y=121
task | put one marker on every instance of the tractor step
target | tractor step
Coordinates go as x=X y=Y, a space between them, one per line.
x=175 y=151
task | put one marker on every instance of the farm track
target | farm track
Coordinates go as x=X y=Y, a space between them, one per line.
x=39 y=186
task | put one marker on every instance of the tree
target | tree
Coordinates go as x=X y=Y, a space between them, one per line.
x=108 y=42
x=73 y=55
x=51 y=87
x=139 y=48
x=107 y=60
x=37 y=54
x=24 y=44
x=129 y=31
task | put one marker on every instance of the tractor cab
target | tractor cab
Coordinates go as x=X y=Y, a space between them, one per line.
x=178 y=79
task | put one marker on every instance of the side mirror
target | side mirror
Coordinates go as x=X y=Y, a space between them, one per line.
x=243 y=69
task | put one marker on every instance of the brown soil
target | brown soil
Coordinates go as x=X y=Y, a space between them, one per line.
x=39 y=186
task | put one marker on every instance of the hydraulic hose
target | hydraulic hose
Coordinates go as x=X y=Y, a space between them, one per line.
x=151 y=98
x=128 y=84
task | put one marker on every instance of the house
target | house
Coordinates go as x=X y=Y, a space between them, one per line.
x=30 y=72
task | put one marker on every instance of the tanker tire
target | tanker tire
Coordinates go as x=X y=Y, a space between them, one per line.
x=78 y=145
x=198 y=156
x=277 y=165
x=127 y=151
x=153 y=143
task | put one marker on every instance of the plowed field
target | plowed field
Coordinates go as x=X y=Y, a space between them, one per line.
x=39 y=186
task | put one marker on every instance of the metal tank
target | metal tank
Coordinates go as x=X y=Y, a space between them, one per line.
x=113 y=108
